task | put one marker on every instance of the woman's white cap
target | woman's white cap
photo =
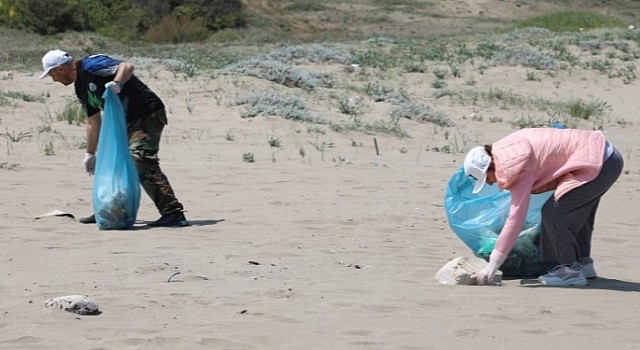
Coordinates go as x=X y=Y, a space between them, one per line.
x=476 y=164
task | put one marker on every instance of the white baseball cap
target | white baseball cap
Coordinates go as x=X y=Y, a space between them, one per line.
x=476 y=164
x=53 y=59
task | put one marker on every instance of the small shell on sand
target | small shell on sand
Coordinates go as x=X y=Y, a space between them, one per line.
x=78 y=304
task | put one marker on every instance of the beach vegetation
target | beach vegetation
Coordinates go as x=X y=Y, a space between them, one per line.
x=8 y=166
x=421 y=113
x=248 y=157
x=14 y=136
x=48 y=148
x=72 y=113
x=271 y=104
x=572 y=21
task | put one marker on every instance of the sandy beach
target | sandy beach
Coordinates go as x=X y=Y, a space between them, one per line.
x=307 y=247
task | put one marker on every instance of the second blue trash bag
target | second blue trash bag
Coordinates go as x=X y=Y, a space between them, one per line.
x=477 y=220
x=116 y=186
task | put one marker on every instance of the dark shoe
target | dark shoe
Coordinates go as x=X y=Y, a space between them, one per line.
x=171 y=220
x=88 y=219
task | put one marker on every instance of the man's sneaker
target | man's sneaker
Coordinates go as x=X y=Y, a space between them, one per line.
x=176 y=219
x=588 y=271
x=91 y=219
x=562 y=276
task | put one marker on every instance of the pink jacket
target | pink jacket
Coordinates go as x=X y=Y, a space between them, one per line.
x=530 y=158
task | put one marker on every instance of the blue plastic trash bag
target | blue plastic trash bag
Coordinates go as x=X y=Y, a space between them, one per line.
x=116 y=186
x=477 y=219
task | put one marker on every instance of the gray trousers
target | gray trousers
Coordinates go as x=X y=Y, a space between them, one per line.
x=567 y=225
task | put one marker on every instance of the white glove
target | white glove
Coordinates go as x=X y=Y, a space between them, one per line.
x=486 y=275
x=90 y=163
x=115 y=87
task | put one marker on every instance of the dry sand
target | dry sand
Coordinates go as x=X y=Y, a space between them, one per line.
x=333 y=250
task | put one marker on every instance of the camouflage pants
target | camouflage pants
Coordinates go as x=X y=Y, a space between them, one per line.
x=144 y=144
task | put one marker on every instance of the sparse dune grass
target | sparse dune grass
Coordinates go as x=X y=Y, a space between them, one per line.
x=382 y=84
x=71 y=113
x=458 y=70
x=370 y=69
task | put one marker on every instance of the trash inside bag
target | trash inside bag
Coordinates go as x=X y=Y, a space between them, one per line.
x=116 y=186
x=477 y=220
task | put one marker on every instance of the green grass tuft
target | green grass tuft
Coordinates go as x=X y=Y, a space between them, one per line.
x=572 y=21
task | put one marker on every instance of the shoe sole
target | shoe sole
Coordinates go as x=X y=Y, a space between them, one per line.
x=580 y=282
x=177 y=224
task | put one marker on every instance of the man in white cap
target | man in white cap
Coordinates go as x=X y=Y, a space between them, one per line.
x=580 y=165
x=145 y=118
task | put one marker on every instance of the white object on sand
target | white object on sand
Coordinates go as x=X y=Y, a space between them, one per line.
x=78 y=304
x=459 y=271
x=55 y=213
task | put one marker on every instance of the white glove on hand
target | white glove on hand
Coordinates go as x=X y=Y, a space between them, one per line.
x=486 y=275
x=90 y=163
x=113 y=86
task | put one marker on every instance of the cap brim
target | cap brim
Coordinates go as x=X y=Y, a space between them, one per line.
x=479 y=184
x=45 y=74
x=61 y=63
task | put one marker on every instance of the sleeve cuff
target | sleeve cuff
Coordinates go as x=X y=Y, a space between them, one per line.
x=497 y=257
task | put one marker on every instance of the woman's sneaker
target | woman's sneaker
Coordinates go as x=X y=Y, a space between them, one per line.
x=589 y=271
x=562 y=276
